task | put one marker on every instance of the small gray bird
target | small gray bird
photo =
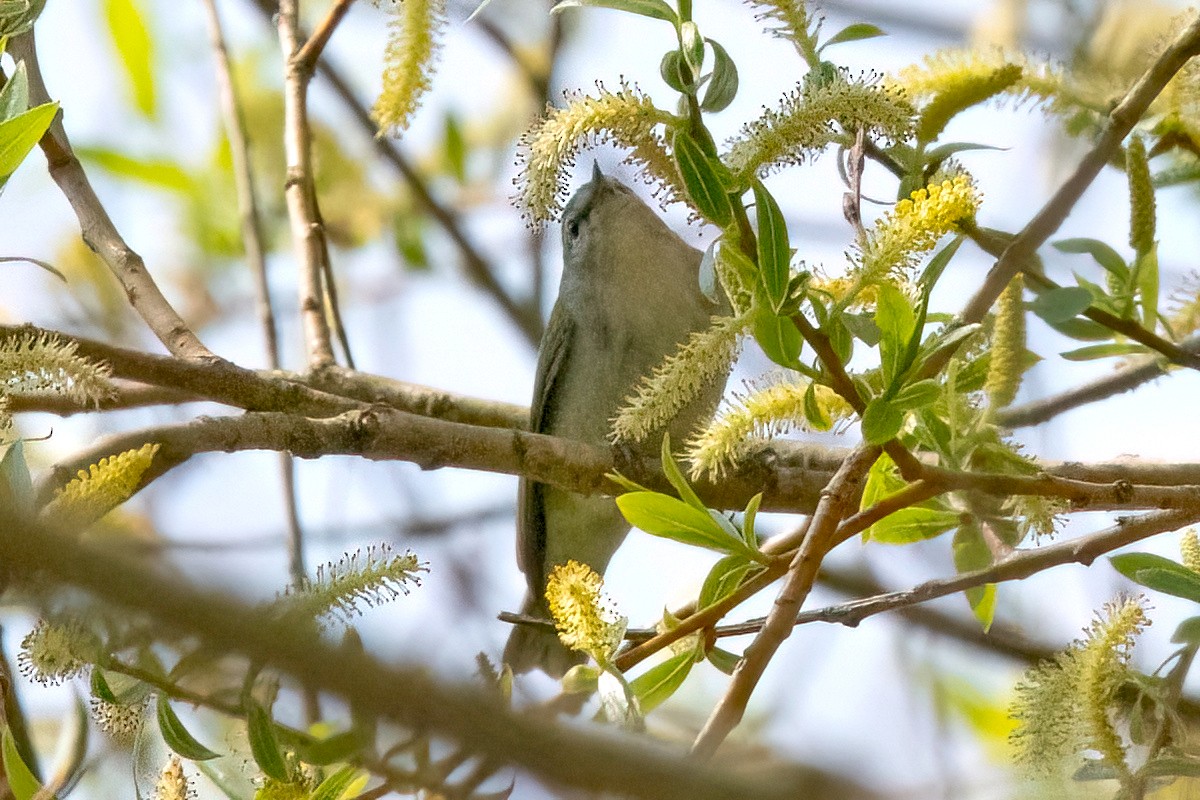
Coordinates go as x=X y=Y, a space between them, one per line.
x=630 y=294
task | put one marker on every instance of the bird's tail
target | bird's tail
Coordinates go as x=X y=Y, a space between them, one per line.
x=532 y=647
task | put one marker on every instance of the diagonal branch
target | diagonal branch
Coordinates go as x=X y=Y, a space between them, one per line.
x=97 y=228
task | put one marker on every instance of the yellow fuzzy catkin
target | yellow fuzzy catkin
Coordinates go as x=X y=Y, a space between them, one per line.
x=408 y=62
x=586 y=618
x=99 y=489
x=1142 y=216
x=626 y=117
x=1008 y=346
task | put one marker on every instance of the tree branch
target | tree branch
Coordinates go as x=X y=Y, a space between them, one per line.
x=307 y=56
x=97 y=228
x=477 y=720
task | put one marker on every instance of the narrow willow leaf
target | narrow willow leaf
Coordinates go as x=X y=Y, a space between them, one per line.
x=1104 y=255
x=1187 y=632
x=702 y=181
x=1082 y=329
x=676 y=479
x=896 y=318
x=661 y=681
x=881 y=421
x=710 y=285
x=341 y=784
x=330 y=750
x=14 y=97
x=918 y=395
x=774 y=253
x=723 y=86
x=16 y=487
x=264 y=745
x=655 y=9
x=692 y=44
x=1161 y=574
x=156 y=172
x=1146 y=270
x=456 y=148
x=664 y=516
x=1171 y=766
x=724 y=577
x=723 y=660
x=971 y=552
x=21 y=781
x=1095 y=351
x=135 y=49
x=854 y=33
x=749 y=518
x=672 y=69
x=818 y=420
x=778 y=337
x=20 y=134
x=913 y=524
x=177 y=736
x=940 y=153
x=1060 y=305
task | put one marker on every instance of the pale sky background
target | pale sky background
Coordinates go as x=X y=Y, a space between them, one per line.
x=846 y=699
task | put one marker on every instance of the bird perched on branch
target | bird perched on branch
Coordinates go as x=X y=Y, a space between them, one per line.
x=629 y=296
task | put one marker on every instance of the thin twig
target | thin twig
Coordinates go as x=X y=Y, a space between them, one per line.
x=480 y=271
x=307 y=232
x=97 y=228
x=836 y=501
x=306 y=57
x=1121 y=120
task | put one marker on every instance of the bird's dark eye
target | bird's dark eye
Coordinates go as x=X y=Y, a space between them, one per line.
x=573 y=228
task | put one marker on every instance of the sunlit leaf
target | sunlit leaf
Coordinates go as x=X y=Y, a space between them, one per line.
x=881 y=421
x=656 y=9
x=177 y=736
x=854 y=32
x=669 y=518
x=702 y=181
x=20 y=134
x=661 y=681
x=1061 y=304
x=723 y=85
x=135 y=49
x=774 y=253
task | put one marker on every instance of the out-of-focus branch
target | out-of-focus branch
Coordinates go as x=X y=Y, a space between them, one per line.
x=1121 y=120
x=125 y=397
x=1127 y=379
x=475 y=719
x=97 y=228
x=308 y=234
x=481 y=272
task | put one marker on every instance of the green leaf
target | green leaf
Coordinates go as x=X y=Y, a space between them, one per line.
x=723 y=660
x=131 y=36
x=664 y=516
x=346 y=783
x=774 y=253
x=940 y=153
x=881 y=421
x=19 y=135
x=16 y=489
x=176 y=735
x=854 y=33
x=709 y=283
x=625 y=483
x=661 y=681
x=1187 y=632
x=1059 y=305
x=1146 y=271
x=21 y=781
x=724 y=577
x=882 y=481
x=778 y=337
x=702 y=181
x=971 y=552
x=818 y=420
x=1179 y=584
x=1104 y=255
x=100 y=687
x=456 y=148
x=863 y=327
x=672 y=69
x=913 y=524
x=749 y=516
x=655 y=9
x=692 y=44
x=156 y=172
x=14 y=97
x=675 y=477
x=918 y=395
x=1132 y=564
x=1082 y=329
x=331 y=749
x=723 y=86
x=896 y=319
x=1095 y=351
x=264 y=745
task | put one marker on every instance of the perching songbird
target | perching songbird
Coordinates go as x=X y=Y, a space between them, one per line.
x=629 y=296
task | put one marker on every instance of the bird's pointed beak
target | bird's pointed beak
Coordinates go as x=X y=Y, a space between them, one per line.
x=596 y=173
